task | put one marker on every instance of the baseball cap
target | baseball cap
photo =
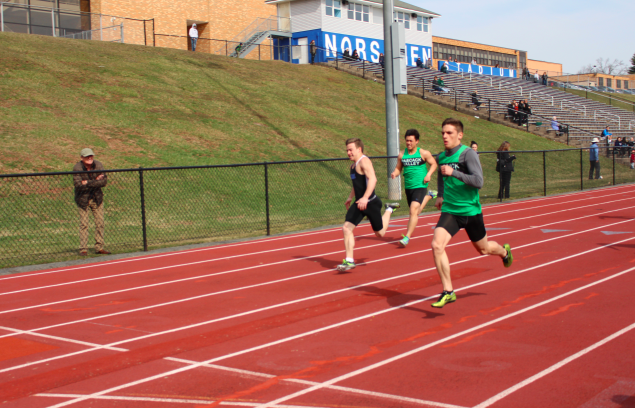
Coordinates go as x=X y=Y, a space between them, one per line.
x=87 y=152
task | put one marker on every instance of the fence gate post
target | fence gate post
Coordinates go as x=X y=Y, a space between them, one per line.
x=613 y=168
x=143 y=209
x=544 y=170
x=53 y=21
x=267 y=197
x=154 y=38
x=2 y=18
x=581 y=171
x=122 y=41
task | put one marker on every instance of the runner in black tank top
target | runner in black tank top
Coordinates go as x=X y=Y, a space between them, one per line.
x=366 y=204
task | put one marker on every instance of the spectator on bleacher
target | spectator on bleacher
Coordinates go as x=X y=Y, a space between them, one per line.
x=536 y=77
x=633 y=159
x=555 y=125
x=355 y=55
x=511 y=111
x=619 y=149
x=347 y=54
x=313 y=50
x=419 y=63
x=429 y=63
x=517 y=113
x=523 y=109
x=607 y=132
x=89 y=197
x=497 y=65
x=193 y=36
x=474 y=62
x=505 y=166
x=382 y=59
x=525 y=73
x=545 y=77
x=438 y=85
x=631 y=145
x=594 y=158
x=477 y=104
x=444 y=68
x=474 y=146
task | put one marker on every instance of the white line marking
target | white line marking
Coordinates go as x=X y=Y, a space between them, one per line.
x=266 y=240
x=182 y=328
x=435 y=343
x=48 y=336
x=332 y=387
x=359 y=318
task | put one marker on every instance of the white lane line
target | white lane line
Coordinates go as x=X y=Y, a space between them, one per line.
x=429 y=345
x=253 y=311
x=266 y=240
x=174 y=400
x=370 y=315
x=246 y=373
x=65 y=339
x=303 y=276
x=553 y=368
x=259 y=266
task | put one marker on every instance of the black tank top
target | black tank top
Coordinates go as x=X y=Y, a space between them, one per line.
x=360 y=183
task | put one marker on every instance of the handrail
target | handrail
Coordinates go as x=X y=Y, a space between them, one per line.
x=609 y=114
x=259 y=25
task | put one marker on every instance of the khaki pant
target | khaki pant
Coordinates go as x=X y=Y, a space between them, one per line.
x=98 y=214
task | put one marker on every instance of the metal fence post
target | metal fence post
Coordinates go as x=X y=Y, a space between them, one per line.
x=544 y=170
x=101 y=28
x=581 y=171
x=145 y=33
x=364 y=69
x=423 y=87
x=500 y=178
x=226 y=51
x=2 y=18
x=613 y=168
x=53 y=21
x=143 y=209
x=456 y=106
x=154 y=37
x=267 y=197
x=489 y=110
x=567 y=128
x=122 y=41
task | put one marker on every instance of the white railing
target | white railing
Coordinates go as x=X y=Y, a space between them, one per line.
x=573 y=105
x=603 y=115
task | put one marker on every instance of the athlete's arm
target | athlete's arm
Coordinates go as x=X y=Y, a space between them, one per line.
x=427 y=156
x=474 y=175
x=399 y=167
x=440 y=186
x=369 y=172
x=349 y=200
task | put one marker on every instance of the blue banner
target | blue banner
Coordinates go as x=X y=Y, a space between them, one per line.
x=478 y=69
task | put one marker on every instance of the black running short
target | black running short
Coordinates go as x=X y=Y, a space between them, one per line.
x=416 y=194
x=372 y=211
x=473 y=225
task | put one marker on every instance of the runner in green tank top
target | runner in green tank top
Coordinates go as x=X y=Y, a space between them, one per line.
x=412 y=163
x=459 y=179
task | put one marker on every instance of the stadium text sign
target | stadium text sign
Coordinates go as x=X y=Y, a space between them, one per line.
x=478 y=69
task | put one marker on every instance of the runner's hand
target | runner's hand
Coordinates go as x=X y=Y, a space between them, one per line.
x=426 y=179
x=362 y=203
x=446 y=170
x=439 y=203
x=348 y=203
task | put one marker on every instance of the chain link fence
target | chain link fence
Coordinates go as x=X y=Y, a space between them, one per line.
x=166 y=207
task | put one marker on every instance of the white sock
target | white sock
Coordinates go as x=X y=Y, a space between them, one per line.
x=350 y=260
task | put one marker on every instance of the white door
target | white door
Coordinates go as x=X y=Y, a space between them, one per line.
x=303 y=50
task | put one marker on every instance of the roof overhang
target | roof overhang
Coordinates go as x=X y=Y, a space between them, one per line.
x=403 y=7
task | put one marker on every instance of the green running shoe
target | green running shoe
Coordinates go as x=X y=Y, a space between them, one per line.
x=433 y=193
x=507 y=261
x=345 y=266
x=404 y=241
x=394 y=206
x=444 y=299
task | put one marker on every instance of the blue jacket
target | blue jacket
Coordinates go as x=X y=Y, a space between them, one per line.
x=594 y=152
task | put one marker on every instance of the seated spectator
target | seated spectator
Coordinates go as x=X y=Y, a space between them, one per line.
x=525 y=74
x=518 y=114
x=381 y=62
x=544 y=78
x=536 y=77
x=606 y=132
x=347 y=54
x=497 y=65
x=522 y=112
x=633 y=159
x=474 y=62
x=631 y=146
x=444 y=68
x=618 y=147
x=555 y=125
x=355 y=55
x=511 y=112
x=429 y=63
x=419 y=63
x=477 y=104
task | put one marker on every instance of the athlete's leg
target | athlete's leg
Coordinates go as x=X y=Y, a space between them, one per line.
x=415 y=209
x=349 y=238
x=486 y=247
x=386 y=220
x=425 y=201
x=440 y=240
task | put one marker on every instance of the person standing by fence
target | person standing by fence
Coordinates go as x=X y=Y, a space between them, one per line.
x=505 y=166
x=89 y=197
x=193 y=36
x=313 y=50
x=594 y=159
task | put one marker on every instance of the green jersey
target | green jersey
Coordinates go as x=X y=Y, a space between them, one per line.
x=415 y=170
x=458 y=197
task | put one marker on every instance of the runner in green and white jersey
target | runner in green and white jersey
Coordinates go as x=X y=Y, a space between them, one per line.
x=460 y=177
x=416 y=175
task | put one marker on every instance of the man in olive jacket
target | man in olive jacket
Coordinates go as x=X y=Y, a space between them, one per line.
x=89 y=197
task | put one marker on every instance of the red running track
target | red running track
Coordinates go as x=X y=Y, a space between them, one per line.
x=271 y=323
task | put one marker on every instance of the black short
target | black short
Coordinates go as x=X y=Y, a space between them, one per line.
x=416 y=194
x=473 y=225
x=373 y=211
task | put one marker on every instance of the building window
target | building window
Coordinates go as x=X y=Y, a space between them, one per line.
x=358 y=12
x=601 y=81
x=422 y=24
x=619 y=83
x=625 y=84
x=609 y=82
x=333 y=8
x=463 y=54
x=403 y=18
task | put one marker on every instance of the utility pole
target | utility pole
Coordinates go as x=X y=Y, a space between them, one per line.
x=392 y=107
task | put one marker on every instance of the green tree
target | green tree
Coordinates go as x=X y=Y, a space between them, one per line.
x=631 y=70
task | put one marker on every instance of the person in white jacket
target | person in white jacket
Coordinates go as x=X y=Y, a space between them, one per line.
x=193 y=36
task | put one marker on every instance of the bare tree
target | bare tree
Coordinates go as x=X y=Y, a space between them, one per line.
x=604 y=66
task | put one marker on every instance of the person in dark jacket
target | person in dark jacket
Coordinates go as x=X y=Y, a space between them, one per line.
x=475 y=100
x=313 y=51
x=594 y=159
x=419 y=63
x=355 y=55
x=382 y=59
x=545 y=78
x=90 y=197
x=347 y=55
x=505 y=166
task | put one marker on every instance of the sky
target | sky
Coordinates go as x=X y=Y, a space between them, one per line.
x=574 y=33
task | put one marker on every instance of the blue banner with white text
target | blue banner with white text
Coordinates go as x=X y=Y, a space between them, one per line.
x=478 y=69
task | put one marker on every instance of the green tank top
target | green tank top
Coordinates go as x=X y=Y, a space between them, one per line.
x=414 y=170
x=458 y=197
